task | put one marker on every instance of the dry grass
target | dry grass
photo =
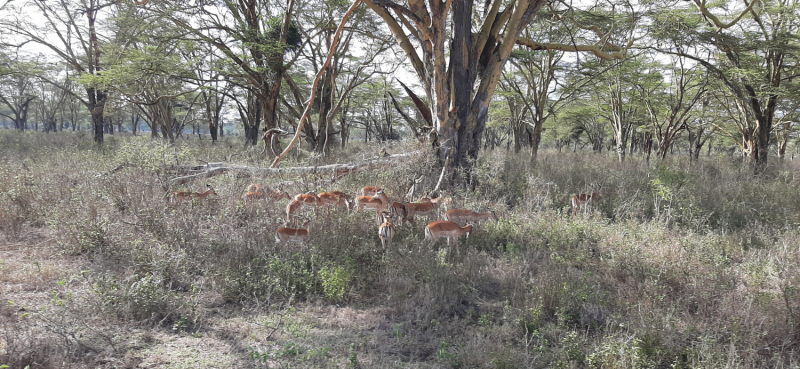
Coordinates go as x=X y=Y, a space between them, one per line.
x=679 y=264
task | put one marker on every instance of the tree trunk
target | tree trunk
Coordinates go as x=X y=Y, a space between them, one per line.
x=620 y=139
x=760 y=151
x=324 y=106
x=212 y=130
x=98 y=123
x=462 y=140
x=536 y=138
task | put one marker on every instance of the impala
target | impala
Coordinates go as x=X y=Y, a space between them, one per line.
x=584 y=200
x=468 y=216
x=399 y=212
x=428 y=209
x=370 y=191
x=442 y=200
x=182 y=196
x=334 y=198
x=309 y=199
x=444 y=228
x=377 y=202
x=284 y=235
x=345 y=196
x=386 y=231
x=293 y=210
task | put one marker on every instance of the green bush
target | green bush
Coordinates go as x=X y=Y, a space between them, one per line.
x=336 y=281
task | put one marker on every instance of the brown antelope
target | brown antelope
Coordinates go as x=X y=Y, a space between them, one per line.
x=309 y=199
x=370 y=191
x=293 y=210
x=584 y=200
x=468 y=216
x=345 y=196
x=442 y=200
x=284 y=235
x=334 y=198
x=377 y=202
x=448 y=229
x=398 y=211
x=386 y=231
x=182 y=196
x=428 y=209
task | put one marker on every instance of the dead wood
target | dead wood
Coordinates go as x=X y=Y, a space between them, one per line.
x=334 y=170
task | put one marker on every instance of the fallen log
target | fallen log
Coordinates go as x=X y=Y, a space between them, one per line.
x=335 y=170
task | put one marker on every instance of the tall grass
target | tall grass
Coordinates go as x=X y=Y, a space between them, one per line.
x=678 y=264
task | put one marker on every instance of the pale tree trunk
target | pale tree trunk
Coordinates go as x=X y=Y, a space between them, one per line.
x=782 y=136
x=459 y=92
x=620 y=121
x=459 y=103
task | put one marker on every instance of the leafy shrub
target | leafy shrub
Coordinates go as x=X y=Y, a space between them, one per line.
x=139 y=297
x=336 y=281
x=268 y=279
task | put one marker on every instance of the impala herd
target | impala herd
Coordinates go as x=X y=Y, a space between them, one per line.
x=372 y=198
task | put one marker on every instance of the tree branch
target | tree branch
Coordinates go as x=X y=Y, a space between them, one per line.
x=594 y=49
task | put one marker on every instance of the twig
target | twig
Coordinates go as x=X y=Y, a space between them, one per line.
x=441 y=176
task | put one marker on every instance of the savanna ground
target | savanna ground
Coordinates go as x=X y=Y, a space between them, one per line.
x=680 y=265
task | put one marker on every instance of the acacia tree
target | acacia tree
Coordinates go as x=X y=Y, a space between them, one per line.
x=751 y=46
x=252 y=36
x=145 y=66
x=50 y=102
x=671 y=106
x=69 y=29
x=785 y=126
x=584 y=119
x=620 y=104
x=515 y=112
x=458 y=51
x=214 y=87
x=533 y=77
x=354 y=62
x=16 y=90
x=701 y=132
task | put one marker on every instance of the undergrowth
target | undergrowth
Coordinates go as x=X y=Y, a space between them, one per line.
x=677 y=264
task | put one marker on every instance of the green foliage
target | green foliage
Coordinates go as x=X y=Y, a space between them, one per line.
x=153 y=155
x=139 y=297
x=445 y=355
x=615 y=287
x=336 y=281
x=292 y=275
x=668 y=182
x=294 y=39
x=505 y=183
x=619 y=351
